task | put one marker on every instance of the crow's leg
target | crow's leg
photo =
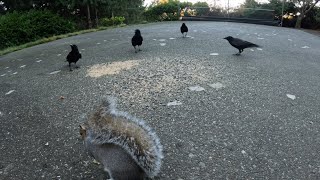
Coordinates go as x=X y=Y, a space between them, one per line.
x=70 y=66
x=135 y=50
x=240 y=51
x=186 y=34
x=139 y=48
x=183 y=35
x=76 y=65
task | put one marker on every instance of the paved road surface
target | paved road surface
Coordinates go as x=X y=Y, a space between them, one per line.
x=254 y=116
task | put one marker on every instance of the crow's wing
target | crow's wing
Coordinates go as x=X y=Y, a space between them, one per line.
x=241 y=44
x=133 y=41
x=69 y=57
x=184 y=29
x=139 y=40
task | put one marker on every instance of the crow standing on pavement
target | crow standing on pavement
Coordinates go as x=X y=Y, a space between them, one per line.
x=73 y=56
x=184 y=29
x=239 y=44
x=137 y=40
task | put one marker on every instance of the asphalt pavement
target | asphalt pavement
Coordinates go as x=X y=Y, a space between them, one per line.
x=219 y=116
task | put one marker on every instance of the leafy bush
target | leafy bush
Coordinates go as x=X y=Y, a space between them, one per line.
x=117 y=20
x=17 y=28
x=163 y=12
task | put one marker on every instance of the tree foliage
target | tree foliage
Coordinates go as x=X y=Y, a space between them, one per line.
x=304 y=7
x=88 y=11
x=18 y=28
x=163 y=11
x=202 y=8
x=276 y=5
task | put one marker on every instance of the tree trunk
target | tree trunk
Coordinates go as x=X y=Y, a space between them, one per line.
x=89 y=17
x=96 y=18
x=299 y=20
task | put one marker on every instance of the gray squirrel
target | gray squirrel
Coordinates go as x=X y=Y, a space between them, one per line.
x=127 y=147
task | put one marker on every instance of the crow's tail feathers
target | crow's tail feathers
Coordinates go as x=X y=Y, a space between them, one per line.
x=254 y=45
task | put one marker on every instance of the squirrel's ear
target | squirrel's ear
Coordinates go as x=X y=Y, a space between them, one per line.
x=82 y=127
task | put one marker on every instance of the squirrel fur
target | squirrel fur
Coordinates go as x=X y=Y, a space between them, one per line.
x=126 y=146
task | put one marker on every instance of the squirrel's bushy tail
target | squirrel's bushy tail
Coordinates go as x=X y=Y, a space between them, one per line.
x=111 y=126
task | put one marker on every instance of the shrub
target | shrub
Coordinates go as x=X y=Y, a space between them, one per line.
x=117 y=20
x=163 y=12
x=17 y=28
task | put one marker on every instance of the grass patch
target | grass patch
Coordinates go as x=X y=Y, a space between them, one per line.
x=53 y=38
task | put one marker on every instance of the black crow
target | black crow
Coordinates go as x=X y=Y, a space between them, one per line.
x=239 y=44
x=137 y=40
x=184 y=29
x=73 y=56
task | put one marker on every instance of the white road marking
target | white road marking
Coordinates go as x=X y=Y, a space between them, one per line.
x=172 y=38
x=23 y=66
x=11 y=91
x=305 y=47
x=214 y=54
x=293 y=97
x=14 y=73
x=217 y=85
x=162 y=44
x=253 y=68
x=38 y=61
x=196 y=88
x=3 y=75
x=55 y=72
x=59 y=55
x=174 y=103
x=259 y=49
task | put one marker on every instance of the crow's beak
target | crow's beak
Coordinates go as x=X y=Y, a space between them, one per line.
x=225 y=38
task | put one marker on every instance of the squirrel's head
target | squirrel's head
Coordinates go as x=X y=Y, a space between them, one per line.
x=83 y=131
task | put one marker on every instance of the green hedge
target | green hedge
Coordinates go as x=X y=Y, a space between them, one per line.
x=163 y=12
x=17 y=28
x=117 y=20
